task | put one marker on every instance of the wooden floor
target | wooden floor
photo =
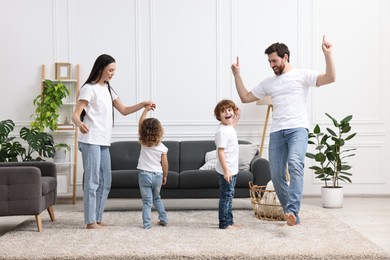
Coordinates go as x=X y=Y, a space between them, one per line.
x=370 y=216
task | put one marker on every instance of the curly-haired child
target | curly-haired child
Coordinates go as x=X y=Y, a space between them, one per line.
x=227 y=159
x=153 y=168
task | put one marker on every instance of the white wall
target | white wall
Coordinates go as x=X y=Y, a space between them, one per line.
x=178 y=54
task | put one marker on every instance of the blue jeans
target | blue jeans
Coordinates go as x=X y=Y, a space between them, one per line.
x=288 y=147
x=97 y=180
x=150 y=187
x=226 y=195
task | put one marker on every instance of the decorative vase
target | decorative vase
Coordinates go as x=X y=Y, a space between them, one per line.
x=332 y=197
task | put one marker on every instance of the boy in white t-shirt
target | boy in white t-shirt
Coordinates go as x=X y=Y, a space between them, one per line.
x=153 y=168
x=227 y=159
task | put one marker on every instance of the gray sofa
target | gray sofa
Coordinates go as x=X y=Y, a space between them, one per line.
x=185 y=180
x=28 y=188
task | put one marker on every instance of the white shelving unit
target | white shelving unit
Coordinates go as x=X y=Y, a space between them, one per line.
x=67 y=133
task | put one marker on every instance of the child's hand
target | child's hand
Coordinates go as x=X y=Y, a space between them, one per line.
x=227 y=176
x=164 y=180
x=149 y=105
x=237 y=112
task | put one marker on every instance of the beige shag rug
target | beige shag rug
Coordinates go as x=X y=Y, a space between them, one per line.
x=191 y=234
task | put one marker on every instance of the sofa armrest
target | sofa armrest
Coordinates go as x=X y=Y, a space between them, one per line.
x=261 y=171
x=21 y=191
x=47 y=169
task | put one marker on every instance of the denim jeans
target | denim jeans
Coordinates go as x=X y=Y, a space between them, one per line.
x=226 y=195
x=150 y=187
x=97 y=180
x=288 y=147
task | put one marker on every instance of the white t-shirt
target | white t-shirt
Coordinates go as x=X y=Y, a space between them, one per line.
x=226 y=137
x=150 y=158
x=289 y=93
x=98 y=114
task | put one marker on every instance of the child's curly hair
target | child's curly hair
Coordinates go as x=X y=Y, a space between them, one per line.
x=222 y=105
x=150 y=132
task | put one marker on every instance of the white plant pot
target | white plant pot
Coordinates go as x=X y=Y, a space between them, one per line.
x=332 y=197
x=60 y=156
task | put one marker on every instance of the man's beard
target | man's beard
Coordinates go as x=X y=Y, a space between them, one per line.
x=279 y=70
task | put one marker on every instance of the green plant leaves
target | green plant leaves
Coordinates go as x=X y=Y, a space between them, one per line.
x=6 y=127
x=317 y=130
x=41 y=142
x=350 y=136
x=346 y=120
x=335 y=123
x=330 y=153
x=48 y=104
x=331 y=132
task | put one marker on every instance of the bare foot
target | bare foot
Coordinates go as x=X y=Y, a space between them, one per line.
x=290 y=219
x=94 y=226
x=103 y=224
x=233 y=227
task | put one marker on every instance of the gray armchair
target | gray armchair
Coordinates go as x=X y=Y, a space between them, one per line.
x=28 y=188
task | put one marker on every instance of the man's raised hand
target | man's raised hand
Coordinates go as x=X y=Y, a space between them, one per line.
x=326 y=46
x=236 y=67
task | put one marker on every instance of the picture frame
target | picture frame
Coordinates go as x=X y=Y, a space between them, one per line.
x=62 y=70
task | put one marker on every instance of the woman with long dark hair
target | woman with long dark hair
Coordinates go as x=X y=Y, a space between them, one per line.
x=93 y=116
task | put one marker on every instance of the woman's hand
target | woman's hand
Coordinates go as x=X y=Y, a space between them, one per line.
x=149 y=105
x=83 y=128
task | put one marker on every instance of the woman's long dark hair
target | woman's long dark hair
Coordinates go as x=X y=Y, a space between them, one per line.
x=96 y=74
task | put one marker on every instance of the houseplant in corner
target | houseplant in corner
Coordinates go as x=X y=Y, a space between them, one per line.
x=330 y=157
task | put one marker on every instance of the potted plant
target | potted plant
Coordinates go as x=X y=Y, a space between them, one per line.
x=9 y=148
x=40 y=145
x=60 y=152
x=47 y=105
x=330 y=157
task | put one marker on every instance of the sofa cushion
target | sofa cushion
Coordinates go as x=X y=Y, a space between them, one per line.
x=173 y=155
x=129 y=179
x=243 y=179
x=124 y=155
x=211 y=161
x=192 y=179
x=49 y=184
x=124 y=179
x=172 y=180
x=192 y=154
x=246 y=154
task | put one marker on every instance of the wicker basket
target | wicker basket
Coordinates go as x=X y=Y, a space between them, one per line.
x=265 y=203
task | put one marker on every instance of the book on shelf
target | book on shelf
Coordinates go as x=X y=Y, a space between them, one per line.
x=65 y=127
